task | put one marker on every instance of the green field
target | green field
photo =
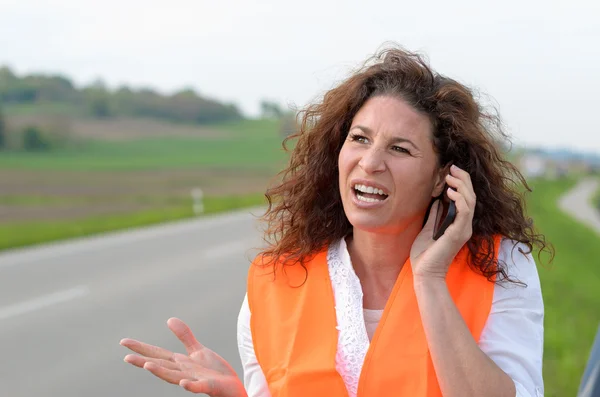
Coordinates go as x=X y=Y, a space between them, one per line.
x=571 y=289
x=248 y=144
x=128 y=179
x=149 y=153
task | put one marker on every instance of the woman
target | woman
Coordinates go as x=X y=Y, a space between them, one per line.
x=353 y=295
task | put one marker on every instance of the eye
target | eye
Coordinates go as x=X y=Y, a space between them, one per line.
x=358 y=138
x=400 y=149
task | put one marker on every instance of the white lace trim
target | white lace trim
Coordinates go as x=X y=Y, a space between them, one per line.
x=353 y=341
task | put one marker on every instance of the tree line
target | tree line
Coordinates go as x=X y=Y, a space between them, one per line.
x=32 y=137
x=97 y=100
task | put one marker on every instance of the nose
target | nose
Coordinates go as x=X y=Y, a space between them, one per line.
x=372 y=161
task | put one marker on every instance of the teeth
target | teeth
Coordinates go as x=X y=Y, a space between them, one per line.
x=368 y=189
x=367 y=199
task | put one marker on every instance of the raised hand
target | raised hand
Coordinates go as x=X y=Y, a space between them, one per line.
x=200 y=371
x=431 y=258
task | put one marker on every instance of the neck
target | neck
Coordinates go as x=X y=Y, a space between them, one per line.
x=377 y=259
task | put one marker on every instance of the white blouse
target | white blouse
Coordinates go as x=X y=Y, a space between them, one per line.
x=513 y=336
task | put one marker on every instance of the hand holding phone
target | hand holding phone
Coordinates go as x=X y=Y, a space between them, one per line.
x=431 y=258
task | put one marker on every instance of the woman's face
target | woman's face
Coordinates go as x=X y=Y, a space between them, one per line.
x=388 y=150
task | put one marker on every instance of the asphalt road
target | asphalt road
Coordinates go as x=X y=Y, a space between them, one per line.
x=64 y=307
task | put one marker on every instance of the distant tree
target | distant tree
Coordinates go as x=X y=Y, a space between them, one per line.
x=6 y=74
x=185 y=106
x=53 y=88
x=14 y=89
x=34 y=140
x=99 y=84
x=97 y=97
x=270 y=110
x=100 y=106
x=2 y=130
x=188 y=93
x=122 y=100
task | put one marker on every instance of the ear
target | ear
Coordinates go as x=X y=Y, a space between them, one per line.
x=440 y=180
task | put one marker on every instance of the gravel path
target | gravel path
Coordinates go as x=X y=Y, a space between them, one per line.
x=577 y=203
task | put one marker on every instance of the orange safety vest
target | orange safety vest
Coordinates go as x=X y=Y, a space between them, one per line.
x=293 y=325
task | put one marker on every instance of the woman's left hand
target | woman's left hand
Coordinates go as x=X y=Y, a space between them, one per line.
x=200 y=371
x=431 y=259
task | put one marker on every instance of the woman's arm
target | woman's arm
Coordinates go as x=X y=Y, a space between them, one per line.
x=507 y=361
x=462 y=368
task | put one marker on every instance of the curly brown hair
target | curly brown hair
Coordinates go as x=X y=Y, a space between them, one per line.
x=305 y=211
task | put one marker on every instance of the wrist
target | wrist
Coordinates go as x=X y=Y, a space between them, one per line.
x=428 y=281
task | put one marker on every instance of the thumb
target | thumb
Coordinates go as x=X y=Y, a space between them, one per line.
x=184 y=334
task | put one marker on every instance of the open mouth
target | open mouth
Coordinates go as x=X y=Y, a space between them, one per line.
x=369 y=194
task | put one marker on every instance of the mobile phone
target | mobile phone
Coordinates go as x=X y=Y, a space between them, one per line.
x=446 y=213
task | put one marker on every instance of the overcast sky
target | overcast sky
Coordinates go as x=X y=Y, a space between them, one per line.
x=538 y=60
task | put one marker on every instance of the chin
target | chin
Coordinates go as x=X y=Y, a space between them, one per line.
x=368 y=222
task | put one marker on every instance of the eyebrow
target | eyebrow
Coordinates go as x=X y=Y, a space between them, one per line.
x=395 y=139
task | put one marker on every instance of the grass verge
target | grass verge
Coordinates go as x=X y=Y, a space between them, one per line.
x=20 y=234
x=570 y=286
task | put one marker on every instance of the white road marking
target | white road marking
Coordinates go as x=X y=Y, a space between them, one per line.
x=43 y=301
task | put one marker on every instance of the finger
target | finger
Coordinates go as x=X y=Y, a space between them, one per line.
x=169 y=375
x=184 y=334
x=147 y=350
x=462 y=175
x=139 y=361
x=198 y=386
x=463 y=188
x=464 y=216
x=460 y=186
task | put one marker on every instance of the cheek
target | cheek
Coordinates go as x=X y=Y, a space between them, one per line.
x=345 y=162
x=341 y=168
x=413 y=182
